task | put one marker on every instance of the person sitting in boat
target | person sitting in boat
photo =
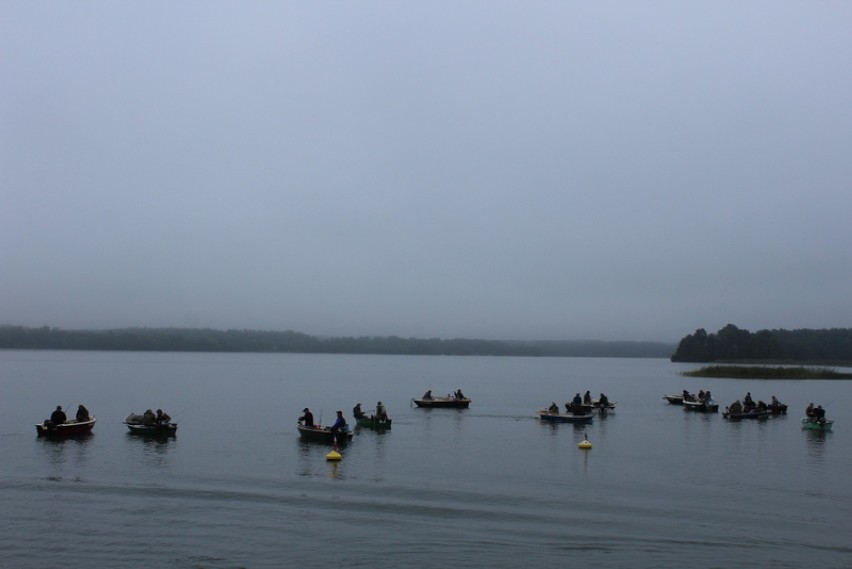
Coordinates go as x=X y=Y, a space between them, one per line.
x=459 y=394
x=708 y=399
x=577 y=399
x=761 y=405
x=736 y=407
x=809 y=410
x=603 y=401
x=587 y=398
x=748 y=401
x=428 y=395
x=82 y=414
x=163 y=418
x=357 y=412
x=148 y=418
x=58 y=416
x=819 y=414
x=381 y=412
x=774 y=403
x=700 y=395
x=554 y=408
x=308 y=418
x=687 y=396
x=339 y=424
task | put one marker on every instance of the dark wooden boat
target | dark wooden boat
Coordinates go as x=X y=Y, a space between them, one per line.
x=443 y=402
x=71 y=428
x=556 y=417
x=753 y=413
x=701 y=406
x=780 y=409
x=372 y=422
x=156 y=430
x=323 y=435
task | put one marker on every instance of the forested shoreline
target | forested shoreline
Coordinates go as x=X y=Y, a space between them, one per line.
x=732 y=344
x=210 y=340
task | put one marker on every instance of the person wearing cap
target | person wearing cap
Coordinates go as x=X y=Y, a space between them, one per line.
x=308 y=418
x=357 y=412
x=58 y=416
x=381 y=413
x=339 y=424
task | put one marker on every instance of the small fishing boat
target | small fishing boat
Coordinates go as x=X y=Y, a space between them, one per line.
x=674 y=399
x=373 y=422
x=752 y=413
x=70 y=428
x=813 y=424
x=596 y=406
x=442 y=402
x=155 y=430
x=701 y=406
x=323 y=434
x=557 y=417
x=779 y=409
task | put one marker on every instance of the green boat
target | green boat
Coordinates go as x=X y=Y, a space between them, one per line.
x=816 y=424
x=372 y=422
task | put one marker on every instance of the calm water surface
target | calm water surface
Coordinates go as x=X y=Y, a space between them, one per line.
x=486 y=487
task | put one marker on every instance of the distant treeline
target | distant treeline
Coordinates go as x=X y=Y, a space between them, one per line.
x=208 y=340
x=732 y=344
x=766 y=372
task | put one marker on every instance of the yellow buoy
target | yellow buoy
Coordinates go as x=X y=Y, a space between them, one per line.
x=584 y=444
x=333 y=455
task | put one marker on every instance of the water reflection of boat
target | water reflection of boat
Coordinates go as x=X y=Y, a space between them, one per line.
x=72 y=428
x=323 y=434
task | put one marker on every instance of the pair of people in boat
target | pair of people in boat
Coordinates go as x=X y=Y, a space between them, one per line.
x=586 y=401
x=59 y=417
x=457 y=395
x=381 y=413
x=158 y=418
x=815 y=414
x=307 y=419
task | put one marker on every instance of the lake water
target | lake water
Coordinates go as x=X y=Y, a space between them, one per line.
x=486 y=487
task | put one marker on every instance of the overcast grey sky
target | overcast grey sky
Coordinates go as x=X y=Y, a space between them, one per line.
x=507 y=170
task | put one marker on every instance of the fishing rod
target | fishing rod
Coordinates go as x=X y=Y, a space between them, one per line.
x=180 y=413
